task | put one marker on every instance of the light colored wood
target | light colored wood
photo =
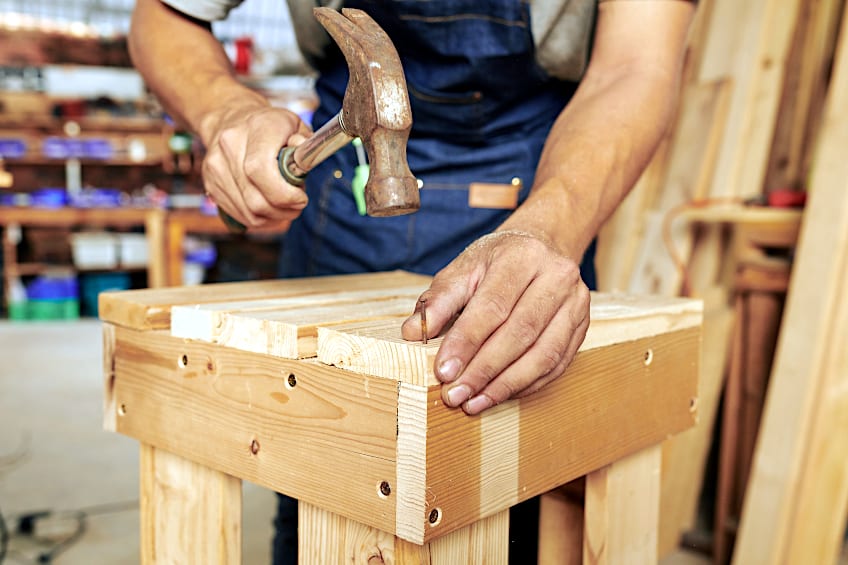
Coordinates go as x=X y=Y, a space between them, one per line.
x=328 y=440
x=377 y=348
x=797 y=500
x=749 y=43
x=591 y=415
x=328 y=538
x=560 y=530
x=363 y=430
x=189 y=513
x=154 y=231
x=288 y=327
x=205 y=321
x=685 y=454
x=110 y=409
x=147 y=309
x=622 y=510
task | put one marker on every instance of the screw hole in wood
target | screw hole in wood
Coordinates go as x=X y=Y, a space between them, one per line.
x=122 y=410
x=183 y=361
x=291 y=381
x=435 y=516
x=649 y=357
x=384 y=489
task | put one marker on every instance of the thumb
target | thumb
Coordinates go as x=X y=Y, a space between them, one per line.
x=445 y=298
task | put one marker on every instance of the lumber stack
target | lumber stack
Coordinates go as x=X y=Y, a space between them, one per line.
x=305 y=386
x=755 y=78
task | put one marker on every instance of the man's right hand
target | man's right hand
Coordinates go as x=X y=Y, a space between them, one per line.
x=240 y=171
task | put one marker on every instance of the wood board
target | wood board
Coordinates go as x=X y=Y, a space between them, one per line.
x=251 y=415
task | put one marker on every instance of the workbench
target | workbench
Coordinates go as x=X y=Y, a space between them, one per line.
x=304 y=386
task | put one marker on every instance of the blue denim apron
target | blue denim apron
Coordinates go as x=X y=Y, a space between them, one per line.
x=481 y=110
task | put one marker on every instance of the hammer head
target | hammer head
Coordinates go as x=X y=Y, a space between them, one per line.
x=376 y=109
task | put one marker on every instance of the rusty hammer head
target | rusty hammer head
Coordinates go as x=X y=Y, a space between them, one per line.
x=375 y=109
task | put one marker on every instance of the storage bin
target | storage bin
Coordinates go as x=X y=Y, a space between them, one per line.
x=133 y=250
x=94 y=250
x=92 y=284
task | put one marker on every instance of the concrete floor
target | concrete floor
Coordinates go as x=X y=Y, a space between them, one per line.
x=50 y=413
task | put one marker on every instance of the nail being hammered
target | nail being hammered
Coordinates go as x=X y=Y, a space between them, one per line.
x=423 y=313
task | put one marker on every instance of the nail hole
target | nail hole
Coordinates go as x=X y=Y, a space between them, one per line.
x=254 y=447
x=649 y=356
x=183 y=361
x=291 y=382
x=435 y=516
x=693 y=404
x=384 y=489
x=122 y=410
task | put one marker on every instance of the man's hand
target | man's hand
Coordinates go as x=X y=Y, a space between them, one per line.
x=240 y=171
x=523 y=313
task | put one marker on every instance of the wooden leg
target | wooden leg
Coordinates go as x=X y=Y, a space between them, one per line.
x=560 y=530
x=325 y=537
x=189 y=513
x=622 y=510
x=154 y=231
x=176 y=236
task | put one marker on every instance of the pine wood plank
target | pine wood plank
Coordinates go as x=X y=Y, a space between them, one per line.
x=377 y=348
x=288 y=327
x=797 y=500
x=328 y=538
x=189 y=512
x=589 y=416
x=205 y=321
x=216 y=405
x=622 y=510
x=754 y=37
x=147 y=309
x=560 y=529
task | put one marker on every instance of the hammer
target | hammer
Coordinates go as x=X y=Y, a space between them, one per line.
x=375 y=109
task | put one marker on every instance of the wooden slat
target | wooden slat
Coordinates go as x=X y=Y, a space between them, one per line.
x=288 y=327
x=328 y=440
x=797 y=500
x=189 y=513
x=147 y=309
x=622 y=511
x=754 y=37
x=560 y=529
x=377 y=348
x=608 y=404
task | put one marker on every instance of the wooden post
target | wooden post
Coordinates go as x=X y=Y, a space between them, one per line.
x=797 y=501
x=622 y=510
x=189 y=513
x=154 y=231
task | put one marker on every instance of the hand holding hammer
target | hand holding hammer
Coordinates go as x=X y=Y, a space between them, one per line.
x=375 y=109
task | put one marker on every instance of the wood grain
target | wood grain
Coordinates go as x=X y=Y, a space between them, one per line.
x=329 y=439
x=622 y=510
x=189 y=512
x=797 y=500
x=148 y=309
x=377 y=348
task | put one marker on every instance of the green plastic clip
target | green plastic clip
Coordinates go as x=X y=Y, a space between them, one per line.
x=360 y=177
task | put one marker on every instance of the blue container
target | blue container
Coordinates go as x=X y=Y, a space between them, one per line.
x=97 y=149
x=49 y=287
x=12 y=148
x=49 y=198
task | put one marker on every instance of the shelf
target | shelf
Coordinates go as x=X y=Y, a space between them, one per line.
x=48 y=162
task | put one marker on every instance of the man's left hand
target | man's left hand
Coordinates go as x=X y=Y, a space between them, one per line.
x=521 y=312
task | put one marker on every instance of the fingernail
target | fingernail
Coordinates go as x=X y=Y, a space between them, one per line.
x=449 y=370
x=458 y=394
x=478 y=404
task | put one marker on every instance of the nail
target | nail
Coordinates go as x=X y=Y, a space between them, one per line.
x=458 y=394
x=478 y=404
x=449 y=370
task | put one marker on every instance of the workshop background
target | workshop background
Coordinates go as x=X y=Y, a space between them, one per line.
x=100 y=191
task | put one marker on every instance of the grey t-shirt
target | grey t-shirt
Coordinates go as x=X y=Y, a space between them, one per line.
x=562 y=29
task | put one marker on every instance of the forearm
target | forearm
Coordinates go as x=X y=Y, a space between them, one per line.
x=186 y=67
x=607 y=134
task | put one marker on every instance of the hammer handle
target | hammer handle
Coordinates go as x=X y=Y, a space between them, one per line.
x=295 y=162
